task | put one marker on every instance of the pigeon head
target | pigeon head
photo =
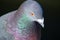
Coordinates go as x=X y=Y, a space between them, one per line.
x=30 y=11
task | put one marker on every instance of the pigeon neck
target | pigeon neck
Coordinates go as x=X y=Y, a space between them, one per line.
x=23 y=21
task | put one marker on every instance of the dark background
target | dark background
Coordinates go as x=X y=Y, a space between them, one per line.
x=51 y=14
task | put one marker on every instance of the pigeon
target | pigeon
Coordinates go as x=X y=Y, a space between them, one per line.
x=23 y=23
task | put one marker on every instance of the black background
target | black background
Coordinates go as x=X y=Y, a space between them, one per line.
x=51 y=15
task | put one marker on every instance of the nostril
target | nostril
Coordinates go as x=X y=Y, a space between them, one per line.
x=40 y=21
x=37 y=23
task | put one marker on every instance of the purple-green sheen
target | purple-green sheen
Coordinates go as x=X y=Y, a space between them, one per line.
x=19 y=24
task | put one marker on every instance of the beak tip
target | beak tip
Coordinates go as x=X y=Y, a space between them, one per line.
x=41 y=22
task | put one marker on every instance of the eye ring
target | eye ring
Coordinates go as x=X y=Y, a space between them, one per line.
x=32 y=13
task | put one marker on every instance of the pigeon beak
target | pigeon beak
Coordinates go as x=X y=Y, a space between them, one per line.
x=40 y=21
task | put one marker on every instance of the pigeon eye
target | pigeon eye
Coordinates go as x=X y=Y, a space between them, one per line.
x=32 y=14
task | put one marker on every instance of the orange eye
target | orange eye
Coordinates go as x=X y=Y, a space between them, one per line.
x=32 y=14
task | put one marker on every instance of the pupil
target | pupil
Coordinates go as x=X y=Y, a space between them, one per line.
x=32 y=14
